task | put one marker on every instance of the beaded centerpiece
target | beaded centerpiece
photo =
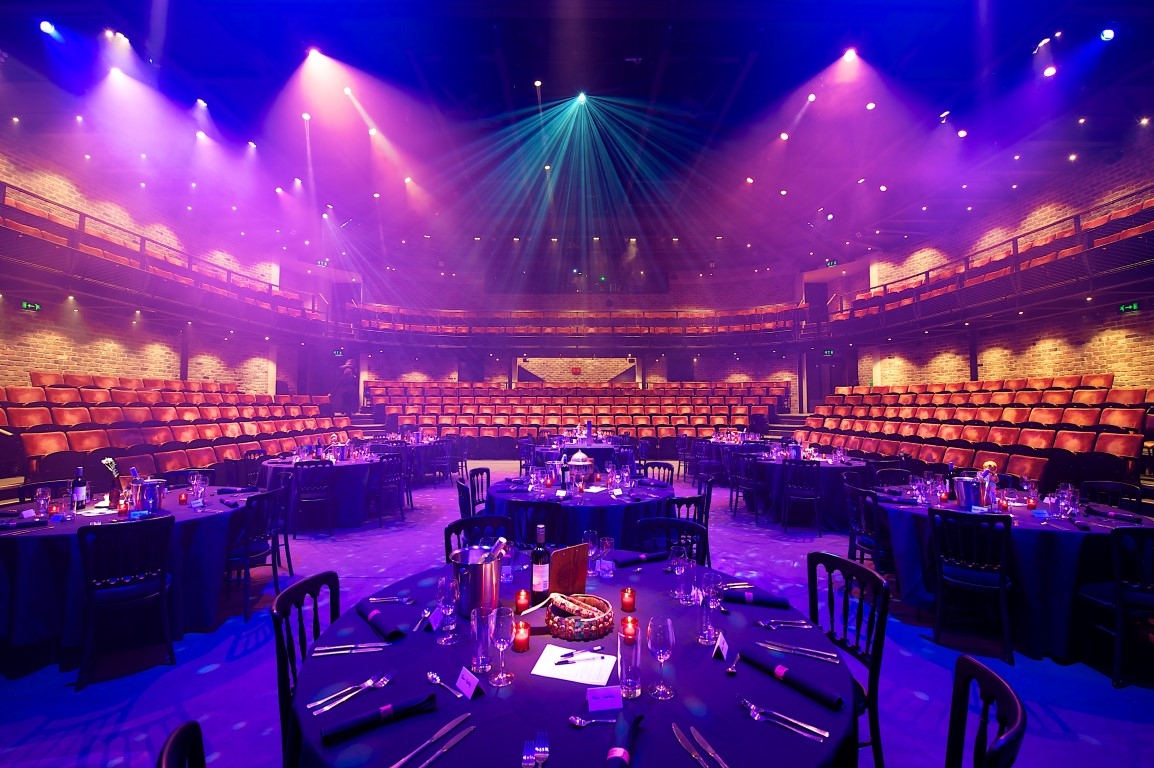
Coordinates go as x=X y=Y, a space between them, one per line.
x=579 y=617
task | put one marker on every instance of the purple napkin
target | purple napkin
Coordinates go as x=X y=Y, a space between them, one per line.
x=358 y=724
x=372 y=614
x=624 y=560
x=760 y=659
x=624 y=737
x=754 y=596
x=1125 y=517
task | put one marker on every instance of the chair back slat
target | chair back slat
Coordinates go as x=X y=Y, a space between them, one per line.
x=998 y=703
x=658 y=534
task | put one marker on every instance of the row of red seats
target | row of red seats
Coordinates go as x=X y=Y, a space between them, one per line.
x=1117 y=442
x=1113 y=396
x=655 y=403
x=204 y=457
x=54 y=379
x=1070 y=381
x=893 y=419
x=669 y=432
x=550 y=390
x=21 y=418
x=65 y=395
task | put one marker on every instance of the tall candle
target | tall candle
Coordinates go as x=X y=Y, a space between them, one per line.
x=520 y=636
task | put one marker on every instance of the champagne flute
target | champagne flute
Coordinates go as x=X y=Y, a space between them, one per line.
x=678 y=556
x=661 y=640
x=710 y=601
x=593 y=540
x=502 y=638
x=448 y=594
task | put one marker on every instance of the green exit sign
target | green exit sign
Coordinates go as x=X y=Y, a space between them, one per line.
x=338 y=353
x=31 y=306
x=829 y=352
x=1129 y=307
x=831 y=262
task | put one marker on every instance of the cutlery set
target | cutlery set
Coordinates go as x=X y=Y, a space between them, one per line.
x=692 y=750
x=340 y=697
x=340 y=650
x=763 y=715
x=797 y=650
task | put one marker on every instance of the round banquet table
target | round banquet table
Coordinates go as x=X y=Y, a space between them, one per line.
x=42 y=585
x=831 y=485
x=350 y=480
x=1051 y=558
x=504 y=717
x=600 y=511
x=599 y=452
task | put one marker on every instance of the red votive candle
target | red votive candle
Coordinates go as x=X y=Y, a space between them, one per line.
x=628 y=599
x=629 y=630
x=122 y=509
x=53 y=509
x=520 y=636
x=943 y=497
x=182 y=498
x=1032 y=502
x=522 y=600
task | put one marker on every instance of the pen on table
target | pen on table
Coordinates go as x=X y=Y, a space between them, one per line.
x=576 y=661
x=571 y=654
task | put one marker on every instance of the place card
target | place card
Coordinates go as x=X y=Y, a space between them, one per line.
x=435 y=618
x=616 y=492
x=604 y=697
x=721 y=647
x=560 y=493
x=467 y=683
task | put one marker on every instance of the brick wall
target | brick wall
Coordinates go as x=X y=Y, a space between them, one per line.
x=593 y=370
x=59 y=339
x=748 y=365
x=1088 y=342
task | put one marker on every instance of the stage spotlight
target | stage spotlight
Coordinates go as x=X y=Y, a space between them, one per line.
x=1107 y=34
x=348 y=91
x=581 y=98
x=47 y=28
x=811 y=97
x=252 y=145
x=306 y=116
x=314 y=52
x=849 y=55
x=536 y=83
x=963 y=133
x=200 y=134
x=201 y=103
x=1050 y=71
x=784 y=136
x=870 y=105
x=408 y=179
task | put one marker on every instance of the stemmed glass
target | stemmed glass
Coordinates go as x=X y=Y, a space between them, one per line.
x=678 y=556
x=593 y=540
x=448 y=593
x=502 y=637
x=710 y=601
x=661 y=640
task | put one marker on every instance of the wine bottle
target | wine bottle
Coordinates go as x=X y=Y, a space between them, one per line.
x=79 y=490
x=950 y=475
x=540 y=560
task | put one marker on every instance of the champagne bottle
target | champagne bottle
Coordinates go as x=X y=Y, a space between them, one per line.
x=79 y=490
x=540 y=560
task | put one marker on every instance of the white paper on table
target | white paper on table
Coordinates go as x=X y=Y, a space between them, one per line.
x=95 y=512
x=592 y=669
x=595 y=489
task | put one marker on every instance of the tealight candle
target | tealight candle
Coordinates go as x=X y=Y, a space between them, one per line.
x=54 y=509
x=628 y=599
x=629 y=630
x=520 y=636
x=1032 y=502
x=943 y=497
x=522 y=599
x=123 y=508
x=182 y=498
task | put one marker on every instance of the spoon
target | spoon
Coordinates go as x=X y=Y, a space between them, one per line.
x=435 y=679
x=581 y=722
x=405 y=600
x=424 y=615
x=732 y=668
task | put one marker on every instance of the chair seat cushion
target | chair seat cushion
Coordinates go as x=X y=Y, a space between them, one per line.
x=140 y=590
x=252 y=549
x=1103 y=592
x=967 y=577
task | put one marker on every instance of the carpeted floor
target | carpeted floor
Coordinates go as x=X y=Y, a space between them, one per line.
x=226 y=679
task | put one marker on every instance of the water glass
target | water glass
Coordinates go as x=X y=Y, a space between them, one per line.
x=607 y=567
x=687 y=583
x=661 y=642
x=448 y=594
x=502 y=627
x=42 y=498
x=629 y=664
x=677 y=558
x=594 y=542
x=710 y=600
x=480 y=635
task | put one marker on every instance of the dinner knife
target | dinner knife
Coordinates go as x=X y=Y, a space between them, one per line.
x=688 y=745
x=448 y=745
x=445 y=729
x=709 y=750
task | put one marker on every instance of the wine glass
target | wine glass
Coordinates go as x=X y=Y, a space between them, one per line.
x=661 y=640
x=678 y=556
x=593 y=540
x=710 y=601
x=448 y=594
x=502 y=637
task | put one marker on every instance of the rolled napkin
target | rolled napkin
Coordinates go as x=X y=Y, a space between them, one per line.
x=372 y=614
x=651 y=483
x=626 y=559
x=759 y=658
x=246 y=489
x=754 y=596
x=1125 y=517
x=1082 y=525
x=624 y=737
x=358 y=724
x=230 y=503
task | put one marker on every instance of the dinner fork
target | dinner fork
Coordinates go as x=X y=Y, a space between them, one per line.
x=541 y=748
x=528 y=759
x=380 y=682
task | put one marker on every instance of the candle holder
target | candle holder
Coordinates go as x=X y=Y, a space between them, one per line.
x=522 y=600
x=520 y=636
x=629 y=659
x=628 y=599
x=182 y=498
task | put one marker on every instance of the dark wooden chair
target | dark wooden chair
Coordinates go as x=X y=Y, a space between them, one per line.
x=658 y=534
x=251 y=466
x=1112 y=493
x=972 y=554
x=662 y=471
x=800 y=485
x=253 y=534
x=184 y=748
x=290 y=609
x=125 y=566
x=868 y=533
x=526 y=450
x=464 y=500
x=385 y=480
x=312 y=493
x=479 y=479
x=705 y=491
x=1009 y=715
x=746 y=482
x=857 y=607
x=470 y=530
x=892 y=476
x=1124 y=604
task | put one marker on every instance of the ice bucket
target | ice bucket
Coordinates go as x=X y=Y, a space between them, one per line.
x=148 y=495
x=479 y=579
x=969 y=491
